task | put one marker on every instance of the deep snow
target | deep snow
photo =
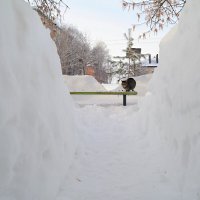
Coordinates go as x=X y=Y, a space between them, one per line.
x=148 y=151
x=37 y=129
x=80 y=83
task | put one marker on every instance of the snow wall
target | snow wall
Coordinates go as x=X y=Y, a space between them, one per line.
x=172 y=122
x=36 y=116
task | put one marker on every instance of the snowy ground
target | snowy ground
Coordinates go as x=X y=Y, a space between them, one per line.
x=104 y=163
x=114 y=160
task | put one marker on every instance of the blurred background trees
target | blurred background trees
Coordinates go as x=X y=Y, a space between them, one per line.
x=73 y=49
x=99 y=60
x=77 y=56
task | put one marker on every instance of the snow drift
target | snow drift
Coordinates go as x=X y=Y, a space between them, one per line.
x=84 y=83
x=36 y=117
x=173 y=117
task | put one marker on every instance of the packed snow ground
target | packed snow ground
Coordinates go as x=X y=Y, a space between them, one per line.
x=112 y=159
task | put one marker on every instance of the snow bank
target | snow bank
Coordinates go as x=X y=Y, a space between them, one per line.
x=83 y=83
x=173 y=117
x=36 y=118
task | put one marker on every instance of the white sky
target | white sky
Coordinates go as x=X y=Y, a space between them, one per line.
x=106 y=21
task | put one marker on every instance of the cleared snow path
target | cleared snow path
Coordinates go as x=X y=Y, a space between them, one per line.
x=111 y=162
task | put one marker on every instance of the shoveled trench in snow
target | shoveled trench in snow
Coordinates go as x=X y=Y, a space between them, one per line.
x=109 y=153
x=112 y=159
x=123 y=152
x=152 y=153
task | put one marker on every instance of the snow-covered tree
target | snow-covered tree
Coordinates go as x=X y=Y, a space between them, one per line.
x=126 y=66
x=99 y=60
x=73 y=49
x=155 y=13
x=132 y=54
x=118 y=68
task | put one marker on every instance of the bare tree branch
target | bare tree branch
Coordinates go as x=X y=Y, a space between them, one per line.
x=156 y=13
x=52 y=9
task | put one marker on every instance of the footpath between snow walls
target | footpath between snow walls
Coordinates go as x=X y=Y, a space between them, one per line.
x=37 y=139
x=173 y=118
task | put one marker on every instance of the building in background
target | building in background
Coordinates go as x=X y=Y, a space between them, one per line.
x=90 y=71
x=149 y=63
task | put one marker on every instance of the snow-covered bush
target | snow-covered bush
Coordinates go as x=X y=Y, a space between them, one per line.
x=36 y=117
